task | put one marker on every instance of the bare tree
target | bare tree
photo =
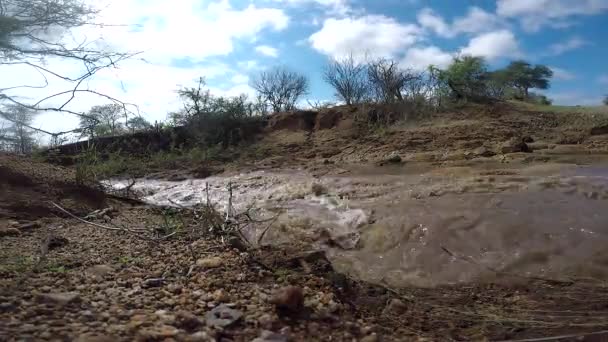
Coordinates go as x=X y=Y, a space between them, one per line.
x=33 y=31
x=17 y=133
x=102 y=120
x=280 y=88
x=348 y=78
x=388 y=81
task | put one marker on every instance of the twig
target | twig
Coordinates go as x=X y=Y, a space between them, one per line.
x=98 y=225
x=266 y=229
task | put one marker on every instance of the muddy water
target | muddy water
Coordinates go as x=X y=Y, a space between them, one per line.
x=424 y=226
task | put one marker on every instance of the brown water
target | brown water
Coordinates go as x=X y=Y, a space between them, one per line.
x=424 y=226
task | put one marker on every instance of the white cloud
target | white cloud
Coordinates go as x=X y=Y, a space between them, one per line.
x=419 y=58
x=240 y=78
x=249 y=65
x=538 y=13
x=493 y=45
x=165 y=32
x=562 y=74
x=268 y=51
x=434 y=22
x=476 y=20
x=337 y=6
x=372 y=35
x=565 y=46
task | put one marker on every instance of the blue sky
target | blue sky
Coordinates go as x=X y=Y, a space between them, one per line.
x=228 y=41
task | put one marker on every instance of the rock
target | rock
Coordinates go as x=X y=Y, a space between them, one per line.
x=288 y=299
x=98 y=271
x=95 y=338
x=153 y=282
x=513 y=145
x=395 y=307
x=222 y=316
x=483 y=152
x=221 y=296
x=370 y=338
x=62 y=298
x=200 y=336
x=393 y=158
x=7 y=307
x=10 y=232
x=269 y=336
x=527 y=139
x=318 y=189
x=157 y=333
x=213 y=262
x=57 y=242
x=187 y=321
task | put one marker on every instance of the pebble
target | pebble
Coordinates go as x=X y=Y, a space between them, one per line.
x=221 y=296
x=288 y=299
x=396 y=307
x=212 y=262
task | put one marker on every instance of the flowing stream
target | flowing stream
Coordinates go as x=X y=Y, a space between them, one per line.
x=425 y=226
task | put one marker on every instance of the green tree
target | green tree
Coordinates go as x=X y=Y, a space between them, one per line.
x=138 y=123
x=467 y=78
x=523 y=76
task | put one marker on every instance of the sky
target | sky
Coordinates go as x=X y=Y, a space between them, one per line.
x=229 y=41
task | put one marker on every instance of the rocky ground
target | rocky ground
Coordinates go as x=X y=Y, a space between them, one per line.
x=136 y=272
x=92 y=284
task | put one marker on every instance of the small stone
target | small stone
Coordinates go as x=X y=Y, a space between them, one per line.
x=187 y=321
x=396 y=307
x=269 y=336
x=10 y=232
x=483 y=152
x=7 y=307
x=95 y=338
x=200 y=336
x=221 y=296
x=370 y=338
x=288 y=299
x=57 y=242
x=153 y=282
x=222 y=317
x=213 y=262
x=98 y=271
x=63 y=298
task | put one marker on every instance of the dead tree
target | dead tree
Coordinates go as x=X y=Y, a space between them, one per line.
x=33 y=32
x=348 y=78
x=280 y=88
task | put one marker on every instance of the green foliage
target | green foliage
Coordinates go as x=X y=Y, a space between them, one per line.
x=104 y=120
x=213 y=120
x=138 y=123
x=86 y=166
x=467 y=78
x=523 y=76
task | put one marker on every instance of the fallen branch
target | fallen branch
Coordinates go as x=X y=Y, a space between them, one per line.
x=98 y=225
